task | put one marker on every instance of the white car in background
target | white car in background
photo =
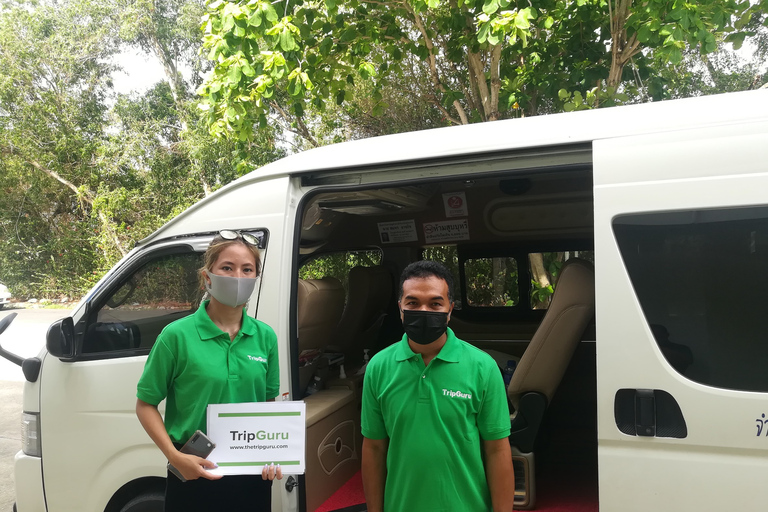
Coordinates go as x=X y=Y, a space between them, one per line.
x=5 y=296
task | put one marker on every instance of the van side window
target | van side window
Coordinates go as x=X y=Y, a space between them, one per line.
x=700 y=277
x=339 y=264
x=159 y=292
x=545 y=268
x=448 y=256
x=491 y=282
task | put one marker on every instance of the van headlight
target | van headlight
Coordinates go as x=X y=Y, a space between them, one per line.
x=30 y=434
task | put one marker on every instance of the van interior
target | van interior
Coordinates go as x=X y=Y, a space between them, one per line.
x=508 y=236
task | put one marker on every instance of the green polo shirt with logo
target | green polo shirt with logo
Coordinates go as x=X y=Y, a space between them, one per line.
x=193 y=363
x=435 y=418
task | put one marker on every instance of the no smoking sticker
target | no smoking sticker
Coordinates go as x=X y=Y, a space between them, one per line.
x=455 y=204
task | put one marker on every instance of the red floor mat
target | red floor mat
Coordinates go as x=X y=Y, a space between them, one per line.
x=351 y=493
x=563 y=491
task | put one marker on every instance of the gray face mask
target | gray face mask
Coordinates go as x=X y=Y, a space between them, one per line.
x=231 y=291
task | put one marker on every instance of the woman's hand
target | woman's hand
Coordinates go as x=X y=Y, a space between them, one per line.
x=193 y=467
x=270 y=472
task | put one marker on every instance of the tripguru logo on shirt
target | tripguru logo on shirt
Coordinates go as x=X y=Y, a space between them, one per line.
x=257 y=358
x=456 y=394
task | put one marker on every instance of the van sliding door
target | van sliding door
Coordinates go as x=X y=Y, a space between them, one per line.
x=681 y=255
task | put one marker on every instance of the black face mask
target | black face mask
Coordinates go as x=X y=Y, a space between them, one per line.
x=424 y=327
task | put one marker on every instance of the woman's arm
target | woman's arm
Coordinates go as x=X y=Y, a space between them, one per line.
x=190 y=466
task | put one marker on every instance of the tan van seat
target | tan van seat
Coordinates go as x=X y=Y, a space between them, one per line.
x=543 y=364
x=333 y=415
x=319 y=308
x=369 y=294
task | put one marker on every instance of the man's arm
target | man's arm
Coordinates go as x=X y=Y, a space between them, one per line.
x=374 y=467
x=501 y=477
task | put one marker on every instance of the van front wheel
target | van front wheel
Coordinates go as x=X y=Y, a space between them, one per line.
x=149 y=502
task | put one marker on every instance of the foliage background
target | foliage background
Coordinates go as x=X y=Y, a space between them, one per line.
x=86 y=172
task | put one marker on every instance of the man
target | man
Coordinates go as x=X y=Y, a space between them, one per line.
x=435 y=418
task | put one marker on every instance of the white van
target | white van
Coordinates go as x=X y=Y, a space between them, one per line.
x=664 y=402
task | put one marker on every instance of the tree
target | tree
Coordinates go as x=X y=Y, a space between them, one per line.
x=84 y=174
x=483 y=59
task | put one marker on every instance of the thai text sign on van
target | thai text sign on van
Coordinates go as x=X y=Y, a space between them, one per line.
x=249 y=435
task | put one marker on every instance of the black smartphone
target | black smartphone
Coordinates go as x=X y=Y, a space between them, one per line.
x=199 y=445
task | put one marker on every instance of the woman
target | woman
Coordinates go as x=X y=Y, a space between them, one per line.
x=213 y=356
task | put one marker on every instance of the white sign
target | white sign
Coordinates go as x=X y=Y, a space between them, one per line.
x=446 y=231
x=249 y=435
x=399 y=231
x=455 y=204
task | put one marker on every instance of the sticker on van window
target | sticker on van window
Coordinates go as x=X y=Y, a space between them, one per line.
x=446 y=231
x=455 y=204
x=399 y=231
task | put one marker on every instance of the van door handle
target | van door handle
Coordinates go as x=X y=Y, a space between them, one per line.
x=648 y=413
x=645 y=413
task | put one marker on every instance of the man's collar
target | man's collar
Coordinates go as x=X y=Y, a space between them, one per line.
x=449 y=353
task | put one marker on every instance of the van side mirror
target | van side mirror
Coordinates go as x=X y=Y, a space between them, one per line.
x=60 y=340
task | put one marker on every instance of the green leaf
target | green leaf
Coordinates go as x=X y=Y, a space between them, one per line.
x=675 y=55
x=270 y=12
x=255 y=20
x=433 y=4
x=229 y=22
x=366 y=69
x=563 y=94
x=340 y=97
x=549 y=22
x=736 y=39
x=569 y=107
x=287 y=43
x=482 y=34
x=490 y=6
x=234 y=74
x=521 y=21
x=325 y=46
x=644 y=34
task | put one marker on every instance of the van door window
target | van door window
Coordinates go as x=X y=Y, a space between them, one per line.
x=700 y=277
x=159 y=292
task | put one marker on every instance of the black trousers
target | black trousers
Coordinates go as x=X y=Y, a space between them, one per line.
x=238 y=493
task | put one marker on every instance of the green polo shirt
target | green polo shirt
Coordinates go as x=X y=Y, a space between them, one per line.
x=435 y=418
x=193 y=363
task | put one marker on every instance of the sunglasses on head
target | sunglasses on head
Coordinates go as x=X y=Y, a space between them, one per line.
x=229 y=234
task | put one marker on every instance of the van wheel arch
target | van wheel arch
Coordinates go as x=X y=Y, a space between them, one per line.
x=140 y=495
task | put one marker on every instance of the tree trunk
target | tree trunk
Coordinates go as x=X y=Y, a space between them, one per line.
x=540 y=275
x=622 y=49
x=82 y=195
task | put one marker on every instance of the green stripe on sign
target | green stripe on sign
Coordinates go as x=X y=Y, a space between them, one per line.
x=257 y=463
x=256 y=414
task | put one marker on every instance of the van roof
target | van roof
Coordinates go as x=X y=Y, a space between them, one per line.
x=507 y=135
x=536 y=131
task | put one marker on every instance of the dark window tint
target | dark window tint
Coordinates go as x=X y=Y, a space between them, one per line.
x=701 y=278
x=159 y=292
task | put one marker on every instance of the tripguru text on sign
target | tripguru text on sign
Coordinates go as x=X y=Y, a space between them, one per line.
x=261 y=435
